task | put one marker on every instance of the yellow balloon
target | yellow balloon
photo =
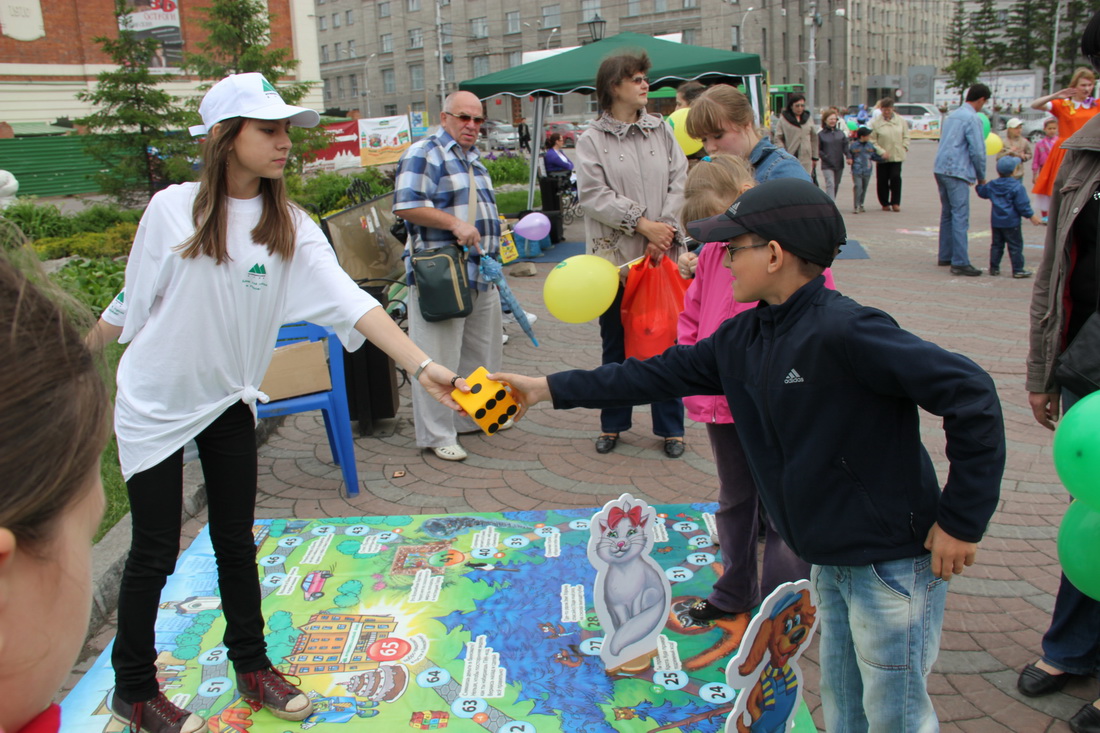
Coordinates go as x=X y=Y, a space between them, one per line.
x=678 y=121
x=993 y=143
x=580 y=288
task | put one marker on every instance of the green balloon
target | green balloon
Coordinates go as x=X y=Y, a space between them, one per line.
x=852 y=125
x=1079 y=546
x=985 y=125
x=1077 y=450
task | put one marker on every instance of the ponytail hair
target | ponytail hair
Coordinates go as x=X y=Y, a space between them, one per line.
x=276 y=228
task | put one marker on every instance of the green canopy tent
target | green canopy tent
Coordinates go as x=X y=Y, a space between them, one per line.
x=575 y=71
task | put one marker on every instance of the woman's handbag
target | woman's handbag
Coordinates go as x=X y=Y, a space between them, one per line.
x=652 y=301
x=1078 y=367
x=442 y=285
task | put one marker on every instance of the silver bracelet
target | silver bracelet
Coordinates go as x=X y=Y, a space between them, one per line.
x=420 y=369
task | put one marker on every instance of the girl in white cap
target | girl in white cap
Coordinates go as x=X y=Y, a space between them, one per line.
x=216 y=267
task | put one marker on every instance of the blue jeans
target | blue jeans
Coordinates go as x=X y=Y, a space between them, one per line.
x=1072 y=643
x=860 y=181
x=1013 y=238
x=954 y=219
x=880 y=634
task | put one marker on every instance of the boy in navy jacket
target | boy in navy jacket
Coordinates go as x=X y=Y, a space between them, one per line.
x=1010 y=202
x=826 y=393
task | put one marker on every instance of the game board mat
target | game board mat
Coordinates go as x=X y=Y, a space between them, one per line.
x=471 y=622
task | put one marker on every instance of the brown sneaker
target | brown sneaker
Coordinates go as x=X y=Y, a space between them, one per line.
x=268 y=688
x=159 y=715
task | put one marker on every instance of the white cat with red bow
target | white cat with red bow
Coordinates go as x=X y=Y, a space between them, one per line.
x=632 y=596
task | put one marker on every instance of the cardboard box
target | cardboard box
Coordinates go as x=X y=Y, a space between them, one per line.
x=297 y=369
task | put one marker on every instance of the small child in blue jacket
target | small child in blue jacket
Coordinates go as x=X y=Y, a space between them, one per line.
x=1010 y=202
x=861 y=152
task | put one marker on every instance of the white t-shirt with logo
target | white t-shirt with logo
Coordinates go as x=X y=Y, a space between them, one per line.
x=201 y=335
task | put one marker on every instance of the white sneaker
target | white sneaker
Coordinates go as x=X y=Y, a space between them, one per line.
x=511 y=318
x=504 y=338
x=450 y=452
x=507 y=426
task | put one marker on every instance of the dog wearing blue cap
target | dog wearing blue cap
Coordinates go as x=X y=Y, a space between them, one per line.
x=766 y=667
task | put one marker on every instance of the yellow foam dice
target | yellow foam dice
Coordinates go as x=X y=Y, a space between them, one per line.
x=488 y=402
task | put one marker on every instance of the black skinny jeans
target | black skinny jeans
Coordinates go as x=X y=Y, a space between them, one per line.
x=227 y=450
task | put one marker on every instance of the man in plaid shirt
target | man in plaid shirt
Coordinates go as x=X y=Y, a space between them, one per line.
x=431 y=194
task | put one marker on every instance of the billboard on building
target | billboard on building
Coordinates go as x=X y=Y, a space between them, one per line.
x=1012 y=90
x=383 y=139
x=160 y=20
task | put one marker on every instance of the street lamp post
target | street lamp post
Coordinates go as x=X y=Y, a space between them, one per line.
x=366 y=80
x=742 y=46
x=596 y=28
x=552 y=32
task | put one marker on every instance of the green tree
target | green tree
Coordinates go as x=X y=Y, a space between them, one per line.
x=1028 y=34
x=985 y=32
x=136 y=126
x=238 y=42
x=1075 y=15
x=955 y=42
x=965 y=71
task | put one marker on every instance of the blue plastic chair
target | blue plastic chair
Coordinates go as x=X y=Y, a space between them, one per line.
x=332 y=404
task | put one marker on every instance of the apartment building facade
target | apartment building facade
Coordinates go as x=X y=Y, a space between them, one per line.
x=383 y=57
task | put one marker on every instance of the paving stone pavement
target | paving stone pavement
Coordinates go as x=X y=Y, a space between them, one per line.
x=996 y=612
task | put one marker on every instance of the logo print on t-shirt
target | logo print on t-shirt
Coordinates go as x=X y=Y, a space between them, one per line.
x=257 y=277
x=793 y=377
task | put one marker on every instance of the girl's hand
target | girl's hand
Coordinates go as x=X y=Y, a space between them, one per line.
x=526 y=391
x=1064 y=93
x=438 y=381
x=686 y=264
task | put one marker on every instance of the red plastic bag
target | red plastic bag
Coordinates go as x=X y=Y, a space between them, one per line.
x=652 y=301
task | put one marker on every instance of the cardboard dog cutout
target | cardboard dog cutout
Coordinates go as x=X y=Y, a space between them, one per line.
x=632 y=596
x=766 y=668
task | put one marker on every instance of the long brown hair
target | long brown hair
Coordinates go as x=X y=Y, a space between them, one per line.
x=53 y=409
x=276 y=227
x=715 y=107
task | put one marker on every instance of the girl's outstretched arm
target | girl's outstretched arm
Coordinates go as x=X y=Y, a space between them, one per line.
x=102 y=333
x=381 y=331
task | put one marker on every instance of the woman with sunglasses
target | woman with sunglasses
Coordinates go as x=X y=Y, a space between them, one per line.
x=631 y=174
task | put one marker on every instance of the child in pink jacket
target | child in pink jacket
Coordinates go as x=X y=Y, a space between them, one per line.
x=711 y=188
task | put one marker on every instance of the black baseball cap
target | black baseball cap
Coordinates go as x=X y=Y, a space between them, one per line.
x=795 y=213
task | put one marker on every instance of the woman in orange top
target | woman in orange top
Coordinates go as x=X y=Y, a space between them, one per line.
x=1073 y=107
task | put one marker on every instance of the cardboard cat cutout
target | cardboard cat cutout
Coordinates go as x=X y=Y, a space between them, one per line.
x=632 y=596
x=766 y=668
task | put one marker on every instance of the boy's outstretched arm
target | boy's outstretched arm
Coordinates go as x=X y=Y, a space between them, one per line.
x=949 y=555
x=526 y=391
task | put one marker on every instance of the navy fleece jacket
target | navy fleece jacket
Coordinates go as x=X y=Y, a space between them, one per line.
x=825 y=393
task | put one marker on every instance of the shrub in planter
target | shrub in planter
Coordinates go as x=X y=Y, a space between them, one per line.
x=93 y=282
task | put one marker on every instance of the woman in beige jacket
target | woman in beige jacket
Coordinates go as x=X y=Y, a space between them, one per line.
x=795 y=132
x=630 y=178
x=890 y=136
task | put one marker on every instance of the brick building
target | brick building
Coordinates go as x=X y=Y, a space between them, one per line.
x=47 y=54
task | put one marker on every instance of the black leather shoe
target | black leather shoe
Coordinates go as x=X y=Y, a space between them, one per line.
x=1034 y=682
x=705 y=611
x=674 y=447
x=606 y=442
x=1086 y=720
x=968 y=270
x=944 y=263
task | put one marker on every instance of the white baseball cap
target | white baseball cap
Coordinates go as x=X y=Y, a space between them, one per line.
x=248 y=95
x=1015 y=122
